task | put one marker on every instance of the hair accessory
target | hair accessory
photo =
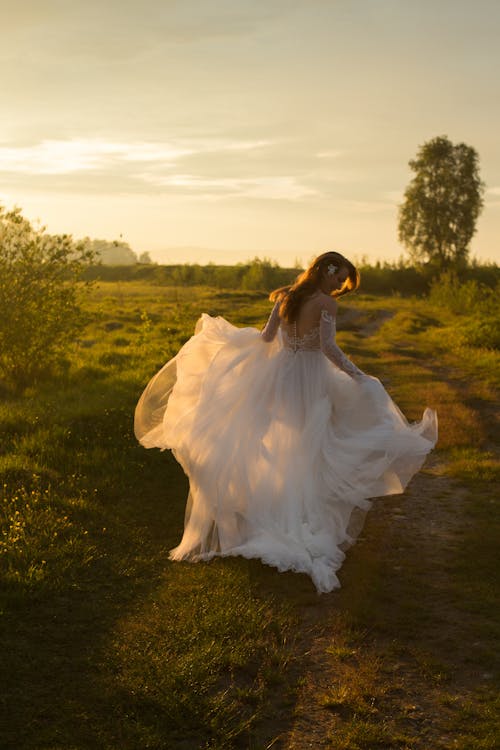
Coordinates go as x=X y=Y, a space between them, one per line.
x=332 y=269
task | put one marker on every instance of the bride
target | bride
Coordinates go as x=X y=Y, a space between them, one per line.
x=283 y=438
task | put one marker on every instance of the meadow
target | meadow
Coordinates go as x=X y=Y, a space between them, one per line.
x=107 y=644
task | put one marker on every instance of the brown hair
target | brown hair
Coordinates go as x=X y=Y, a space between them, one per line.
x=307 y=283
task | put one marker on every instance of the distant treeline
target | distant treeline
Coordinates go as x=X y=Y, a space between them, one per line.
x=264 y=275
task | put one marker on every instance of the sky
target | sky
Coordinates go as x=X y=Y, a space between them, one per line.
x=220 y=130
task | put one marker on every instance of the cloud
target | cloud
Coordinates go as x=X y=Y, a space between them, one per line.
x=284 y=187
x=94 y=164
x=67 y=157
x=206 y=168
x=53 y=157
x=367 y=206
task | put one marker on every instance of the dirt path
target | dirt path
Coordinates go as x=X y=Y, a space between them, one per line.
x=413 y=526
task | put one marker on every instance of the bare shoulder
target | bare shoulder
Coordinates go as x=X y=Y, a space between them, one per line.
x=325 y=302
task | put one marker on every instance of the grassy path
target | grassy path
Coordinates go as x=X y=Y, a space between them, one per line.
x=107 y=645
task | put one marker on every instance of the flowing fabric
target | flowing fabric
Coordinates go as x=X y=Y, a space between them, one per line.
x=282 y=448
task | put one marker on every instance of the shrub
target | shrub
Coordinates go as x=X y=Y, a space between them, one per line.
x=467 y=297
x=39 y=297
x=482 y=333
x=478 y=305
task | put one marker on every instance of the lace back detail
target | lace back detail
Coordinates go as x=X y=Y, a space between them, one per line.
x=310 y=341
x=319 y=338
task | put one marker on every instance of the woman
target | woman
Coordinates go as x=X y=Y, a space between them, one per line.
x=283 y=438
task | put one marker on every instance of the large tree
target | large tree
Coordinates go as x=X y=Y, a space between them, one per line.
x=437 y=219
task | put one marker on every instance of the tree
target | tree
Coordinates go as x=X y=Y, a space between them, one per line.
x=39 y=296
x=145 y=258
x=442 y=203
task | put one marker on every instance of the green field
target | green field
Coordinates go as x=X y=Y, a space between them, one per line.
x=107 y=644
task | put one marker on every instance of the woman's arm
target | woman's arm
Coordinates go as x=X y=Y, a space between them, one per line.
x=330 y=349
x=273 y=323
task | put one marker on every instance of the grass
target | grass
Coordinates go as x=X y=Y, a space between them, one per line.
x=108 y=645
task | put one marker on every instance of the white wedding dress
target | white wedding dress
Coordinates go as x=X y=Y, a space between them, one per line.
x=284 y=441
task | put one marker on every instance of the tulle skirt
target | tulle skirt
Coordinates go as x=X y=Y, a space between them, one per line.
x=282 y=449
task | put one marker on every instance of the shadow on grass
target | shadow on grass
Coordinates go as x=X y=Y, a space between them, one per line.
x=56 y=630
x=113 y=645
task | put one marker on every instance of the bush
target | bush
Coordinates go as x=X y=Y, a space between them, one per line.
x=393 y=278
x=476 y=303
x=467 y=297
x=482 y=333
x=39 y=297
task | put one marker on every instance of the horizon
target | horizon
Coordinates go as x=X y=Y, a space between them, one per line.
x=298 y=263
x=204 y=258
x=281 y=130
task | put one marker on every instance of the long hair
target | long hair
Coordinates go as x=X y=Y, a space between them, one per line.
x=307 y=283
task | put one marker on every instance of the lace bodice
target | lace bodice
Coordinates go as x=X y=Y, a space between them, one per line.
x=309 y=342
x=319 y=338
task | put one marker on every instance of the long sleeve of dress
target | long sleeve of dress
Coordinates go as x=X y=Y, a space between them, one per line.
x=273 y=323
x=327 y=330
